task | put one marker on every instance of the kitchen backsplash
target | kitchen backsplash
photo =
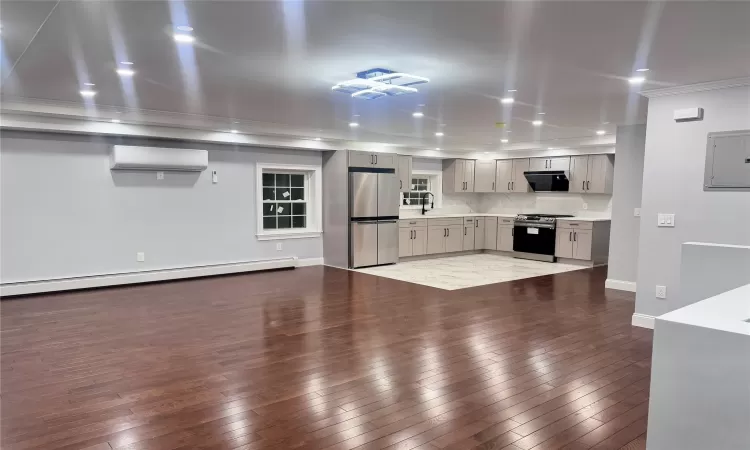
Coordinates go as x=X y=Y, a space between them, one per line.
x=551 y=203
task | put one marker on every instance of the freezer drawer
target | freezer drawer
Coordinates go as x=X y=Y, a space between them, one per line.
x=364 y=244
x=387 y=242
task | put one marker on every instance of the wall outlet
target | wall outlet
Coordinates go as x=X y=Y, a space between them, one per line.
x=661 y=291
x=585 y=206
x=665 y=220
x=279 y=246
x=159 y=175
x=140 y=257
x=637 y=212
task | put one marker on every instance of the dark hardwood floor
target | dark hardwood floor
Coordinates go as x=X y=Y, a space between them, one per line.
x=319 y=358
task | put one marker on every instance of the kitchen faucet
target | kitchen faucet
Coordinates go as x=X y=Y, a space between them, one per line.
x=432 y=204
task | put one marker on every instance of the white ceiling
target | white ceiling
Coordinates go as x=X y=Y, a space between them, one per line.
x=270 y=65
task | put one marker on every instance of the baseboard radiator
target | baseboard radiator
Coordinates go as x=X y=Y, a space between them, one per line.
x=65 y=284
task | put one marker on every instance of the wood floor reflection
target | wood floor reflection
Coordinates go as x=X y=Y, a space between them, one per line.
x=322 y=358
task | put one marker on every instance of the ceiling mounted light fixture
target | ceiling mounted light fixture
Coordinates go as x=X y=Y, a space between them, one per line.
x=353 y=124
x=125 y=72
x=126 y=63
x=507 y=100
x=317 y=139
x=504 y=141
x=642 y=70
x=115 y=120
x=601 y=132
x=87 y=93
x=537 y=123
x=418 y=114
x=437 y=148
x=512 y=90
x=89 y=84
x=376 y=83
x=184 y=28
x=636 y=80
x=234 y=131
x=439 y=134
x=182 y=38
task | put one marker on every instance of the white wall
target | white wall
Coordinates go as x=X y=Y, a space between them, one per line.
x=673 y=183
x=63 y=213
x=626 y=196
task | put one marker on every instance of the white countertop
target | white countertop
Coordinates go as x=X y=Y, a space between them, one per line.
x=446 y=216
x=729 y=311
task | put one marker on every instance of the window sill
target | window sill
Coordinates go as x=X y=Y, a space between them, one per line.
x=288 y=235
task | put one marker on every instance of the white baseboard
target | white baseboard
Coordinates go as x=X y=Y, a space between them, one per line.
x=619 y=285
x=64 y=284
x=310 y=262
x=643 y=321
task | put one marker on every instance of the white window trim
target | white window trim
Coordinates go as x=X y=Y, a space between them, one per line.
x=438 y=188
x=314 y=213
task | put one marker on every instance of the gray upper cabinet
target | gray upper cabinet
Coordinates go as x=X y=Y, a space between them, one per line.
x=553 y=163
x=484 y=176
x=458 y=175
x=404 y=170
x=728 y=160
x=591 y=174
x=374 y=160
x=509 y=175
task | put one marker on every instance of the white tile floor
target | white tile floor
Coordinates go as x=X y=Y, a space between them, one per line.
x=459 y=272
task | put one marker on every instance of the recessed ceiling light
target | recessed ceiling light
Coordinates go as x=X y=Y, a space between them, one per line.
x=601 y=132
x=512 y=90
x=437 y=148
x=642 y=70
x=353 y=124
x=507 y=100
x=89 y=84
x=318 y=139
x=185 y=28
x=126 y=63
x=234 y=131
x=504 y=141
x=87 y=93
x=537 y=123
x=183 y=38
x=486 y=153
x=541 y=113
x=551 y=148
x=115 y=120
x=417 y=114
x=439 y=134
x=125 y=72
x=636 y=80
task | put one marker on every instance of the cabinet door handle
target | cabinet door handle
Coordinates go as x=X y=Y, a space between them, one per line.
x=476 y=224
x=570 y=236
x=575 y=236
x=508 y=185
x=512 y=232
x=445 y=230
x=588 y=185
x=583 y=185
x=400 y=184
x=465 y=229
x=513 y=185
x=449 y=232
x=493 y=185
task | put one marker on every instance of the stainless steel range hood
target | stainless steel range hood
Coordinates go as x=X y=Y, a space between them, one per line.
x=548 y=180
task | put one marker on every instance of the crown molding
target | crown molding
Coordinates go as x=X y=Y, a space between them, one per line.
x=699 y=87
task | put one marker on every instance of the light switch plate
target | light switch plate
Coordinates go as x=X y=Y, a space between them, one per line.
x=585 y=206
x=661 y=291
x=159 y=175
x=637 y=212
x=279 y=246
x=665 y=220
x=140 y=257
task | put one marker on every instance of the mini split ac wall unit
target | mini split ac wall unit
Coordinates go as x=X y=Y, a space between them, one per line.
x=125 y=157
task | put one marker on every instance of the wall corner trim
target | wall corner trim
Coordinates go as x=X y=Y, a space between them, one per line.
x=619 y=285
x=65 y=284
x=643 y=321
x=699 y=87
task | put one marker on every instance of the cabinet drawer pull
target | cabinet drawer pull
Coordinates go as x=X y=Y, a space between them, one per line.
x=412 y=223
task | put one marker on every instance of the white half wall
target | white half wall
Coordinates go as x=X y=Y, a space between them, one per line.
x=673 y=183
x=64 y=214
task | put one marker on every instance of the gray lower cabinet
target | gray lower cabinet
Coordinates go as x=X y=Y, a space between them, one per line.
x=490 y=233
x=469 y=233
x=479 y=237
x=454 y=242
x=436 y=239
x=412 y=237
x=505 y=235
x=582 y=240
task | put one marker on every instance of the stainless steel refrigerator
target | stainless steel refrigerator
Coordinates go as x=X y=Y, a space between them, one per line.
x=373 y=217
